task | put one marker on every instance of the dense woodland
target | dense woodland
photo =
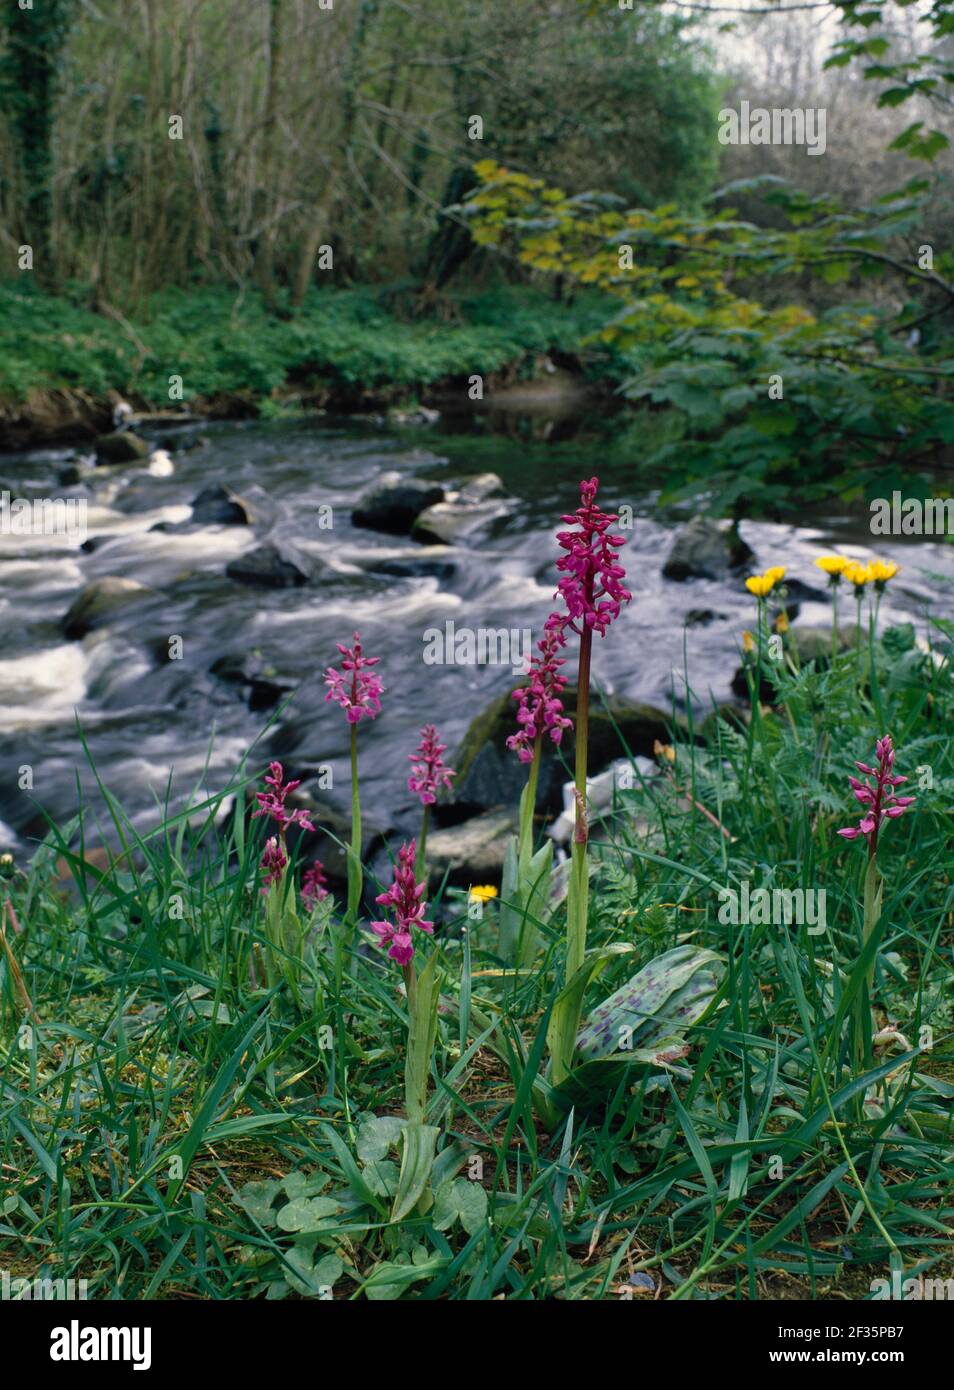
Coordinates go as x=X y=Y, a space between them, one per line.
x=159 y=144
x=304 y=124
x=417 y=151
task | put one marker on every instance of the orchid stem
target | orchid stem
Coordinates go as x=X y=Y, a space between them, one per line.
x=422 y=845
x=355 y=875
x=578 y=893
x=528 y=806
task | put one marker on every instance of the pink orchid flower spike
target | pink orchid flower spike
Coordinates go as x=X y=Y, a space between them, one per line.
x=429 y=772
x=877 y=797
x=592 y=585
x=357 y=689
x=272 y=802
x=406 y=897
x=541 y=706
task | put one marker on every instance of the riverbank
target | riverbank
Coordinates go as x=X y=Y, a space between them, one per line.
x=219 y=354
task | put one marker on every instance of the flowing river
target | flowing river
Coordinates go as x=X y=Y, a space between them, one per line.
x=146 y=718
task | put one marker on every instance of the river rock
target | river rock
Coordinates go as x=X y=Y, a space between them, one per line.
x=448 y=523
x=479 y=488
x=416 y=567
x=490 y=775
x=248 y=669
x=395 y=502
x=473 y=851
x=270 y=566
x=94 y=604
x=804 y=593
x=701 y=617
x=76 y=472
x=175 y=445
x=217 y=505
x=706 y=549
x=121 y=447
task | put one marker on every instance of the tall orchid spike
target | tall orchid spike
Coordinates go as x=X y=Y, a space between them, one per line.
x=592 y=587
x=429 y=773
x=357 y=690
x=878 y=797
x=405 y=896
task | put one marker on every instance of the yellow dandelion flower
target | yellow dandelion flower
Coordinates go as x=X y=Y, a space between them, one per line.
x=762 y=584
x=759 y=585
x=883 y=570
x=664 y=750
x=748 y=642
x=834 y=566
x=483 y=893
x=858 y=574
x=781 y=622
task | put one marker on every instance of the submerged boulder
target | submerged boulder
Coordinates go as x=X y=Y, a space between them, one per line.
x=121 y=447
x=424 y=566
x=217 y=505
x=706 y=549
x=98 y=600
x=249 y=670
x=702 y=617
x=270 y=566
x=395 y=502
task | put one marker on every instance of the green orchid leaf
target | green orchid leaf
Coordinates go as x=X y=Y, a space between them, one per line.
x=565 y=1016
x=417 y=1159
x=655 y=1007
x=422 y=1034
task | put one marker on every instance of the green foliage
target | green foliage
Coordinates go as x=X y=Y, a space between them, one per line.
x=223 y=1155
x=929 y=73
x=769 y=395
x=223 y=345
x=384 y=92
